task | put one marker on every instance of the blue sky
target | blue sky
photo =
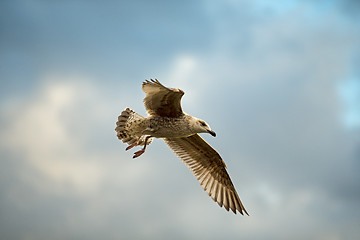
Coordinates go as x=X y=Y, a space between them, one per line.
x=278 y=81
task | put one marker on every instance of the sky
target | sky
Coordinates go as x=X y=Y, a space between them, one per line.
x=278 y=81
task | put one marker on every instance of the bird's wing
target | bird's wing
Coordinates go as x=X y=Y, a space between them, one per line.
x=160 y=100
x=209 y=169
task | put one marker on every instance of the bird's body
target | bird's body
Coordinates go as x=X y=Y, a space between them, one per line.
x=166 y=120
x=164 y=127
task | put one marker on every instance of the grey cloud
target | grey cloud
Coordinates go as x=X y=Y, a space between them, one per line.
x=291 y=159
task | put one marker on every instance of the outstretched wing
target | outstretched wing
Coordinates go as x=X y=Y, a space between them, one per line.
x=160 y=100
x=209 y=169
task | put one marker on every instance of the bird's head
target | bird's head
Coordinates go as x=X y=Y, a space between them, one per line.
x=200 y=126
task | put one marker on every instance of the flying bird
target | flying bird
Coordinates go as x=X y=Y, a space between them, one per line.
x=179 y=130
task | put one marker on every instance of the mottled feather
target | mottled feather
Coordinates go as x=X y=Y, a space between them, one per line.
x=209 y=169
x=179 y=131
x=160 y=100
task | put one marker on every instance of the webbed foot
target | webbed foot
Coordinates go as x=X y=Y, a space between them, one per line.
x=139 y=153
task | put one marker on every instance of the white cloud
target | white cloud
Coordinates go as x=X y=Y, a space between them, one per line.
x=38 y=133
x=52 y=129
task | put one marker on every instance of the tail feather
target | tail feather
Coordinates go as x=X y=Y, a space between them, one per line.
x=126 y=127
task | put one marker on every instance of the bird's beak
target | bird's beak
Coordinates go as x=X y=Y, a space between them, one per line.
x=212 y=133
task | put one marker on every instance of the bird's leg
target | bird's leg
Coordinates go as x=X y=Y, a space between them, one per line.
x=138 y=153
x=134 y=144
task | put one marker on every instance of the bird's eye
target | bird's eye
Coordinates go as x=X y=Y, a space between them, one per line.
x=203 y=124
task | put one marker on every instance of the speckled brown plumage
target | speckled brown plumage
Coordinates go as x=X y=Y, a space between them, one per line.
x=180 y=132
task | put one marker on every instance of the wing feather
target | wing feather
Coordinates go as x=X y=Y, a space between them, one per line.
x=226 y=200
x=215 y=192
x=160 y=100
x=209 y=169
x=220 y=196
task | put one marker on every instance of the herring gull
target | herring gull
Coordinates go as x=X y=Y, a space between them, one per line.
x=180 y=132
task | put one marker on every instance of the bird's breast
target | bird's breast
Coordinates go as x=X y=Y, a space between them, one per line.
x=162 y=127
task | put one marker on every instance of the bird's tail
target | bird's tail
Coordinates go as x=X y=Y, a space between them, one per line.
x=126 y=128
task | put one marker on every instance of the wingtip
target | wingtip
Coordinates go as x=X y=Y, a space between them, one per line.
x=241 y=211
x=245 y=212
x=151 y=81
x=145 y=82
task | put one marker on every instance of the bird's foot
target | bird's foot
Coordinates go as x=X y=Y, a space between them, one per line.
x=138 y=153
x=132 y=145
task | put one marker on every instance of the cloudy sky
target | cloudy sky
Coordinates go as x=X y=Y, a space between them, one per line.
x=278 y=81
